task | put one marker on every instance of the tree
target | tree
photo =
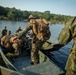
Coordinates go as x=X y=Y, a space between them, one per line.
x=25 y=14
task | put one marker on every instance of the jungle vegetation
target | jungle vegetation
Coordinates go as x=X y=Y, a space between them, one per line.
x=14 y=14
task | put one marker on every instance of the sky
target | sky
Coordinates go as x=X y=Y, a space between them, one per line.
x=63 y=7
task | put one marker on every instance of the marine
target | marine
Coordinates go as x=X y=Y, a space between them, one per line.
x=64 y=39
x=37 y=40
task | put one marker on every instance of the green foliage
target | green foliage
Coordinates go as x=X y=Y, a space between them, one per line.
x=18 y=15
x=25 y=14
x=3 y=11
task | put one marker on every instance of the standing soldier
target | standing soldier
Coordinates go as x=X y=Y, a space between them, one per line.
x=4 y=31
x=40 y=32
x=67 y=34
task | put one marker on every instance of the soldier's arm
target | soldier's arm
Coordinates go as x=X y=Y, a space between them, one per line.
x=24 y=31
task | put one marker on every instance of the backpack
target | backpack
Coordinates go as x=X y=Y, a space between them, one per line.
x=41 y=29
x=65 y=35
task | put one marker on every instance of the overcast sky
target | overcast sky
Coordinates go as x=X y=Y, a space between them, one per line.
x=64 y=7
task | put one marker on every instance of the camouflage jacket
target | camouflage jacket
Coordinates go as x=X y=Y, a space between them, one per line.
x=5 y=39
x=40 y=30
x=71 y=62
x=24 y=31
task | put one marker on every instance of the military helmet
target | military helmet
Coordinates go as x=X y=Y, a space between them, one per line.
x=31 y=17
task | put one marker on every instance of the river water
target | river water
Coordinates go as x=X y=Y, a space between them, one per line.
x=59 y=57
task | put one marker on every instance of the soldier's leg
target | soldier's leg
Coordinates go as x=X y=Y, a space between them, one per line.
x=38 y=46
x=16 y=48
x=34 y=52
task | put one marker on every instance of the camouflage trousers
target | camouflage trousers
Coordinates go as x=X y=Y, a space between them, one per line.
x=36 y=45
x=17 y=48
x=71 y=63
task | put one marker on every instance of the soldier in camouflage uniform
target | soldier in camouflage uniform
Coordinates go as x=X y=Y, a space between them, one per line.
x=36 y=43
x=5 y=40
x=11 y=44
x=71 y=62
x=16 y=43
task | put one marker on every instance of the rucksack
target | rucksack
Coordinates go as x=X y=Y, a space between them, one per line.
x=41 y=29
x=65 y=35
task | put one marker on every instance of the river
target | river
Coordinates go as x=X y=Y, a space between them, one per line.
x=59 y=57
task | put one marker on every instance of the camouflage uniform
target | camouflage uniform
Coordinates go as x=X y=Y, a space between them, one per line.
x=71 y=62
x=16 y=45
x=6 y=45
x=16 y=48
x=36 y=43
x=12 y=48
x=5 y=41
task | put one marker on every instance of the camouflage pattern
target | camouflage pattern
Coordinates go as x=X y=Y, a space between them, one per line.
x=16 y=48
x=36 y=43
x=65 y=35
x=16 y=44
x=5 y=41
x=71 y=62
x=13 y=48
x=41 y=29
